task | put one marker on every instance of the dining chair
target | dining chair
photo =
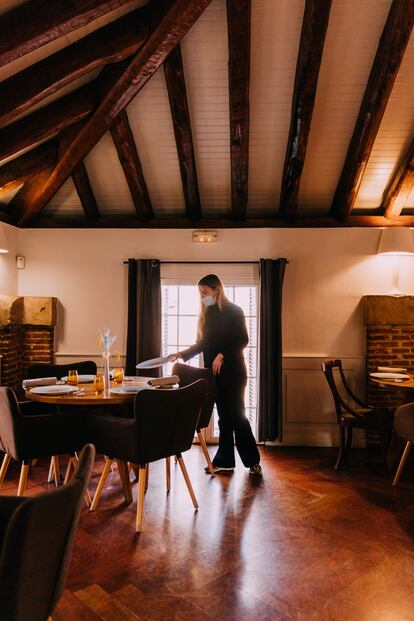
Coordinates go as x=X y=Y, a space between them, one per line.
x=404 y=428
x=363 y=416
x=188 y=375
x=36 y=541
x=27 y=437
x=163 y=425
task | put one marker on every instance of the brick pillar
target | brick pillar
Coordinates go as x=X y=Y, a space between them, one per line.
x=389 y=321
x=26 y=336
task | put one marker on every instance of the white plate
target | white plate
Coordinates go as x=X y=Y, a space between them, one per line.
x=153 y=363
x=390 y=376
x=82 y=379
x=128 y=390
x=53 y=390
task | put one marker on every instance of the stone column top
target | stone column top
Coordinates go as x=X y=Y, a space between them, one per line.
x=388 y=310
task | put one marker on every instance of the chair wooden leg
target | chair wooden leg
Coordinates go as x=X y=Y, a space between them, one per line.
x=205 y=451
x=141 y=496
x=341 y=447
x=348 y=445
x=402 y=462
x=146 y=476
x=168 y=472
x=188 y=482
x=124 y=476
x=51 y=471
x=4 y=466
x=73 y=459
x=71 y=462
x=56 y=469
x=101 y=483
x=23 y=478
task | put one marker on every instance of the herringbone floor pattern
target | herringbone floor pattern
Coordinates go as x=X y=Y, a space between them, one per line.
x=303 y=543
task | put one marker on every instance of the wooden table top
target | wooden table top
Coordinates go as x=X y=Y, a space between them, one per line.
x=408 y=384
x=86 y=395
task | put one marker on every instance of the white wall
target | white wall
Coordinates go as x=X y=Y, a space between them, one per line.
x=8 y=271
x=329 y=271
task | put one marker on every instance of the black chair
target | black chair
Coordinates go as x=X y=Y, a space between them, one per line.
x=163 y=425
x=362 y=417
x=24 y=438
x=86 y=367
x=188 y=375
x=404 y=428
x=36 y=541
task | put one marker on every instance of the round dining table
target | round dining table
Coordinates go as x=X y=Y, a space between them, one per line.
x=395 y=383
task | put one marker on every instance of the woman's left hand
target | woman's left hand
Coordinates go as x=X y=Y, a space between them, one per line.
x=217 y=363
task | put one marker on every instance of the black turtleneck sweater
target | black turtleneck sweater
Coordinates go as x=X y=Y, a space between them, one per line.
x=224 y=332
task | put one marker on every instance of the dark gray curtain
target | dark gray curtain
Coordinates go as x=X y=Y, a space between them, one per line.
x=270 y=349
x=144 y=314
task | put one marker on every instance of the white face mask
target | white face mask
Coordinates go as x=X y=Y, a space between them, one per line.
x=208 y=300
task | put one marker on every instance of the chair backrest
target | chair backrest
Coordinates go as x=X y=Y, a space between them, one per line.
x=404 y=421
x=37 y=547
x=9 y=422
x=334 y=373
x=166 y=420
x=86 y=367
x=189 y=375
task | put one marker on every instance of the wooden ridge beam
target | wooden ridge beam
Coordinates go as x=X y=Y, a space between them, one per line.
x=400 y=186
x=177 y=95
x=390 y=52
x=19 y=169
x=47 y=121
x=109 y=44
x=175 y=22
x=128 y=156
x=224 y=223
x=37 y=22
x=312 y=40
x=238 y=23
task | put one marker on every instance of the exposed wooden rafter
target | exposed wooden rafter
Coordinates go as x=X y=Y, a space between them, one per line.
x=312 y=39
x=177 y=94
x=224 y=223
x=173 y=25
x=109 y=44
x=47 y=121
x=37 y=22
x=131 y=165
x=400 y=186
x=390 y=52
x=238 y=20
x=18 y=170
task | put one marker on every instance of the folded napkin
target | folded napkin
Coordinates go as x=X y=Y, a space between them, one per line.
x=40 y=381
x=392 y=370
x=170 y=380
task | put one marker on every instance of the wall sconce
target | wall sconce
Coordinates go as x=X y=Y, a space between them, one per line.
x=205 y=237
x=4 y=247
x=396 y=241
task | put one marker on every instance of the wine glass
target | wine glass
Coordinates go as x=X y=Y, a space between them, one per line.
x=118 y=375
x=99 y=383
x=72 y=377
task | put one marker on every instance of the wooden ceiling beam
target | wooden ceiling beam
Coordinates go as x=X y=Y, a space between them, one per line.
x=175 y=22
x=109 y=44
x=225 y=223
x=312 y=40
x=238 y=24
x=390 y=52
x=177 y=94
x=128 y=156
x=47 y=121
x=400 y=186
x=19 y=169
x=37 y=22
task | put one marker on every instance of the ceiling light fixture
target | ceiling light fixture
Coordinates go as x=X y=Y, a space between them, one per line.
x=205 y=237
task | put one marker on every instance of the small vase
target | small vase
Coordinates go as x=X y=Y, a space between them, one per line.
x=106 y=374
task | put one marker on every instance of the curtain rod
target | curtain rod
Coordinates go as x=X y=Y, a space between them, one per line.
x=205 y=262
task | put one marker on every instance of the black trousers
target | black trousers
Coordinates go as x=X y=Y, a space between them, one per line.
x=234 y=425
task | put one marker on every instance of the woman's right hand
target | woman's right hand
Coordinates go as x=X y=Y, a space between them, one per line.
x=174 y=357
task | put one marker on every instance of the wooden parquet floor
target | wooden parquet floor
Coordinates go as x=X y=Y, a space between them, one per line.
x=303 y=543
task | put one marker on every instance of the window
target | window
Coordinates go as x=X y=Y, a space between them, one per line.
x=180 y=309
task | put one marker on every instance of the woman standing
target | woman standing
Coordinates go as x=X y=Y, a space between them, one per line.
x=222 y=336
